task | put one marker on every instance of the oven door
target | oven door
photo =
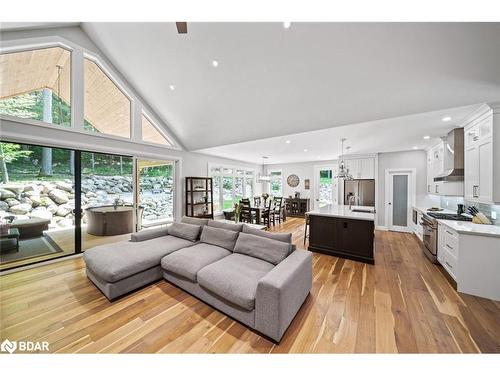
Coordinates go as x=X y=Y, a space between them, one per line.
x=429 y=235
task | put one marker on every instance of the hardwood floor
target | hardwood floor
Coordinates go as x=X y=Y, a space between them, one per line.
x=402 y=304
x=65 y=239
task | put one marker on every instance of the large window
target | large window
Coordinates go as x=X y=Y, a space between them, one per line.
x=231 y=185
x=155 y=191
x=150 y=132
x=106 y=107
x=37 y=186
x=276 y=184
x=36 y=85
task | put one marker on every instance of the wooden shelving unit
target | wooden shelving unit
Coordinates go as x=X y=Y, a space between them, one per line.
x=199 y=197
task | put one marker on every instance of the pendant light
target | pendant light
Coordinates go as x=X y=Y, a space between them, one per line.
x=262 y=176
x=343 y=172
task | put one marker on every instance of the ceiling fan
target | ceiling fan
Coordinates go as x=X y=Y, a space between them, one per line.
x=182 y=27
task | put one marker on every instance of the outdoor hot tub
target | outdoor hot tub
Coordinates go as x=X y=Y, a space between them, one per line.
x=110 y=221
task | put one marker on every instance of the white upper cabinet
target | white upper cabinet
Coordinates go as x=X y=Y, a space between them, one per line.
x=482 y=157
x=435 y=168
x=361 y=168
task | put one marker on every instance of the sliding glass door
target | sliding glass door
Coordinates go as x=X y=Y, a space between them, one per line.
x=56 y=202
x=107 y=198
x=155 y=192
x=38 y=201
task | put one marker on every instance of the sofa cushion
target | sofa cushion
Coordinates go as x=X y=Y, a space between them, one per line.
x=113 y=262
x=188 y=261
x=189 y=232
x=271 y=251
x=235 y=278
x=148 y=234
x=194 y=220
x=219 y=237
x=283 y=237
x=224 y=225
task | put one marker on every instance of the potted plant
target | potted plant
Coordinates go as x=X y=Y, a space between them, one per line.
x=237 y=212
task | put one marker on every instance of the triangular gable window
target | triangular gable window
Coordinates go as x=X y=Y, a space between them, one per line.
x=151 y=134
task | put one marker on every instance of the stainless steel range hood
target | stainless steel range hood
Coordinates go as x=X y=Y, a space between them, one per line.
x=453 y=157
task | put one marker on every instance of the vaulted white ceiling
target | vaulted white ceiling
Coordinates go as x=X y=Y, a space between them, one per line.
x=389 y=135
x=273 y=81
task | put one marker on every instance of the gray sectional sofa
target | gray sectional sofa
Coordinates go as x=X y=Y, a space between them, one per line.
x=254 y=276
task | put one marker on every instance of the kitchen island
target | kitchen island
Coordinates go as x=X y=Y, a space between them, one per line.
x=343 y=232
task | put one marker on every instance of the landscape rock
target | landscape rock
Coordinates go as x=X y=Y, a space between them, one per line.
x=20 y=209
x=36 y=200
x=64 y=186
x=16 y=189
x=4 y=194
x=4 y=206
x=41 y=213
x=63 y=210
x=58 y=196
x=46 y=201
x=12 y=202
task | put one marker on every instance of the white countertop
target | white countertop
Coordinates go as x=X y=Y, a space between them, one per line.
x=466 y=227
x=333 y=210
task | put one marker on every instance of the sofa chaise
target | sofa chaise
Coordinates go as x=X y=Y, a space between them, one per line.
x=254 y=276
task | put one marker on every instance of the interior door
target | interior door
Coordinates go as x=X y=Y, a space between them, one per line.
x=325 y=186
x=399 y=201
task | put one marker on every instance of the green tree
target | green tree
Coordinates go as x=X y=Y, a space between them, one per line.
x=8 y=153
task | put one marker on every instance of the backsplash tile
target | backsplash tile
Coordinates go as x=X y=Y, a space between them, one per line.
x=452 y=202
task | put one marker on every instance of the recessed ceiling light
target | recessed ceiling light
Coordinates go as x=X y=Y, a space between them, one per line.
x=305 y=150
x=172 y=87
x=215 y=63
x=427 y=136
x=446 y=119
x=287 y=25
x=415 y=147
x=288 y=141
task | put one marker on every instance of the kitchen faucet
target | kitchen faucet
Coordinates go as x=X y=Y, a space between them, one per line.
x=352 y=198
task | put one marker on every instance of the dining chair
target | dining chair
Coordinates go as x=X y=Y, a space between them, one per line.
x=278 y=207
x=267 y=214
x=256 y=201
x=245 y=211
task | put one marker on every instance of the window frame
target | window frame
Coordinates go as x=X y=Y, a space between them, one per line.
x=78 y=54
x=35 y=47
x=107 y=72
x=270 y=171
x=233 y=175
x=158 y=129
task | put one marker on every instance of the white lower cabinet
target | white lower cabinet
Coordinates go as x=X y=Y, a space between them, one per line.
x=448 y=250
x=471 y=260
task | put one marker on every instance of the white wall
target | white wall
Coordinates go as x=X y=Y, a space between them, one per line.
x=405 y=159
x=304 y=171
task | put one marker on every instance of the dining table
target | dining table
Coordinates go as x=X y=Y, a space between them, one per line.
x=229 y=213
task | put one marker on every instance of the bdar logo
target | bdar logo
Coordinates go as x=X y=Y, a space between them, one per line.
x=8 y=346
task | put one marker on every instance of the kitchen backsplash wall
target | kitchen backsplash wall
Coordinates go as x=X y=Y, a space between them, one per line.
x=451 y=204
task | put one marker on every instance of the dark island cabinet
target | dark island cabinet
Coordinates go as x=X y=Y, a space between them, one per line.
x=342 y=237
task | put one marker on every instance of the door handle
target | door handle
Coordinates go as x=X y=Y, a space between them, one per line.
x=389 y=203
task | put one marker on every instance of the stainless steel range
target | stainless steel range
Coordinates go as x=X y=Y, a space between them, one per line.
x=430 y=233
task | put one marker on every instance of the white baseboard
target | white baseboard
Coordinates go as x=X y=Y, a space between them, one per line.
x=381 y=227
